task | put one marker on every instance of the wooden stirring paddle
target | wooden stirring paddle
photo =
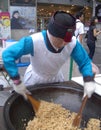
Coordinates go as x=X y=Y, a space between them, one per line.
x=77 y=119
x=35 y=103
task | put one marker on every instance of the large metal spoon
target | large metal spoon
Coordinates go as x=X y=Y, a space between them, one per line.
x=35 y=103
x=77 y=119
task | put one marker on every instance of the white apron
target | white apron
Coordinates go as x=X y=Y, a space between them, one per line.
x=46 y=66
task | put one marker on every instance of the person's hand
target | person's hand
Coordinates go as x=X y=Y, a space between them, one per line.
x=89 y=88
x=21 y=89
x=95 y=69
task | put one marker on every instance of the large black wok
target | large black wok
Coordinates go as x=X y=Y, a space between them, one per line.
x=17 y=111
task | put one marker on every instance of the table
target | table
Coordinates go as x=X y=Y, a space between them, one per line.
x=79 y=80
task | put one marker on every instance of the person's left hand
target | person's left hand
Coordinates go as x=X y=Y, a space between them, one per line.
x=95 y=69
x=89 y=88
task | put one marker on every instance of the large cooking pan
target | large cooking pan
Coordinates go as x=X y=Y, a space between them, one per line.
x=17 y=111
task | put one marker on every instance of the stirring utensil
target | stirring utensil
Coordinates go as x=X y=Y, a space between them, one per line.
x=77 y=119
x=35 y=103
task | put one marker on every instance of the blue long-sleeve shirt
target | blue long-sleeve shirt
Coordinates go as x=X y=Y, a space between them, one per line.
x=25 y=46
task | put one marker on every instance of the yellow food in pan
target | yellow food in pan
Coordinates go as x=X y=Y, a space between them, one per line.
x=51 y=116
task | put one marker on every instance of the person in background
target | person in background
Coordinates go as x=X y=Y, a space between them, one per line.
x=15 y=24
x=92 y=36
x=79 y=26
x=49 y=50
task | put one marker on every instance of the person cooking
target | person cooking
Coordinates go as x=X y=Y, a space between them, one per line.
x=49 y=50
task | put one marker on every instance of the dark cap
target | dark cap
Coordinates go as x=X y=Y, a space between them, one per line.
x=60 y=23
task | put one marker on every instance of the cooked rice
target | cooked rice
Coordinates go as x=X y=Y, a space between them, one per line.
x=93 y=124
x=52 y=116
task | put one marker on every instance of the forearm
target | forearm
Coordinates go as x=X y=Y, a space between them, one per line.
x=81 y=38
x=98 y=33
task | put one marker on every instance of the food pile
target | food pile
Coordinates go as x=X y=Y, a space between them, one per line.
x=52 y=116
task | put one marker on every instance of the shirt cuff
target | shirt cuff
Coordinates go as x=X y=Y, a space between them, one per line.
x=16 y=77
x=88 y=79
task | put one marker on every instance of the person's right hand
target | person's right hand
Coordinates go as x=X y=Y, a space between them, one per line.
x=21 y=89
